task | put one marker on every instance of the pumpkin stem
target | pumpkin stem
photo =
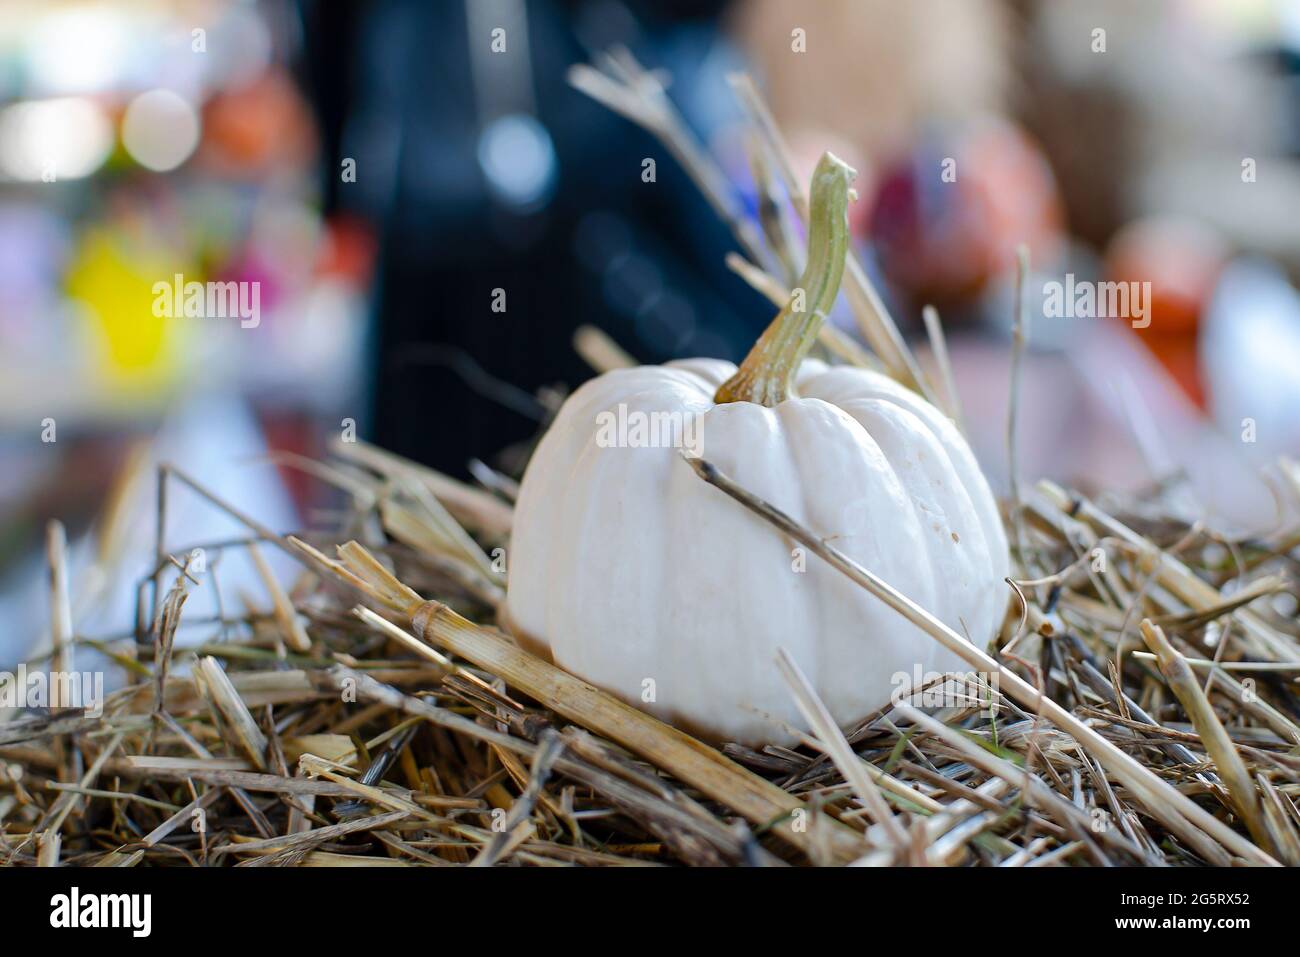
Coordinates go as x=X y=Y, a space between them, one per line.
x=768 y=372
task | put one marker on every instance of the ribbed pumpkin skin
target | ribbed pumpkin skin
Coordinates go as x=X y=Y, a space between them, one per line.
x=628 y=567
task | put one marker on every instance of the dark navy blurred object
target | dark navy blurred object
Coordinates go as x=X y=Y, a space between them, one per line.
x=485 y=171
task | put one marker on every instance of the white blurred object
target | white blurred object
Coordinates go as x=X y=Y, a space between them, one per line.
x=160 y=129
x=213 y=439
x=53 y=140
x=1224 y=486
x=78 y=48
x=1250 y=351
x=1100 y=413
x=241 y=46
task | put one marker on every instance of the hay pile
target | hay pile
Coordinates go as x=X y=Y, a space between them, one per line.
x=375 y=727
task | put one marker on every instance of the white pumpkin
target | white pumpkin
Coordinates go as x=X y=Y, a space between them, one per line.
x=645 y=580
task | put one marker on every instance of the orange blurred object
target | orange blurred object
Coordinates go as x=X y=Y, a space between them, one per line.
x=256 y=127
x=349 y=250
x=1181 y=259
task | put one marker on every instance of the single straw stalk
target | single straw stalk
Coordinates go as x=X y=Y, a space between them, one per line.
x=56 y=546
x=939 y=348
x=1232 y=770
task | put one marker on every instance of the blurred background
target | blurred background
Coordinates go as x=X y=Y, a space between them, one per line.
x=428 y=220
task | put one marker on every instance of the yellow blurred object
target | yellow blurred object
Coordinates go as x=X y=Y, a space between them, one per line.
x=113 y=278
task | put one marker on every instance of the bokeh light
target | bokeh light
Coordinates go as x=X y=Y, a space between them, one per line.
x=518 y=159
x=50 y=140
x=160 y=130
x=78 y=49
